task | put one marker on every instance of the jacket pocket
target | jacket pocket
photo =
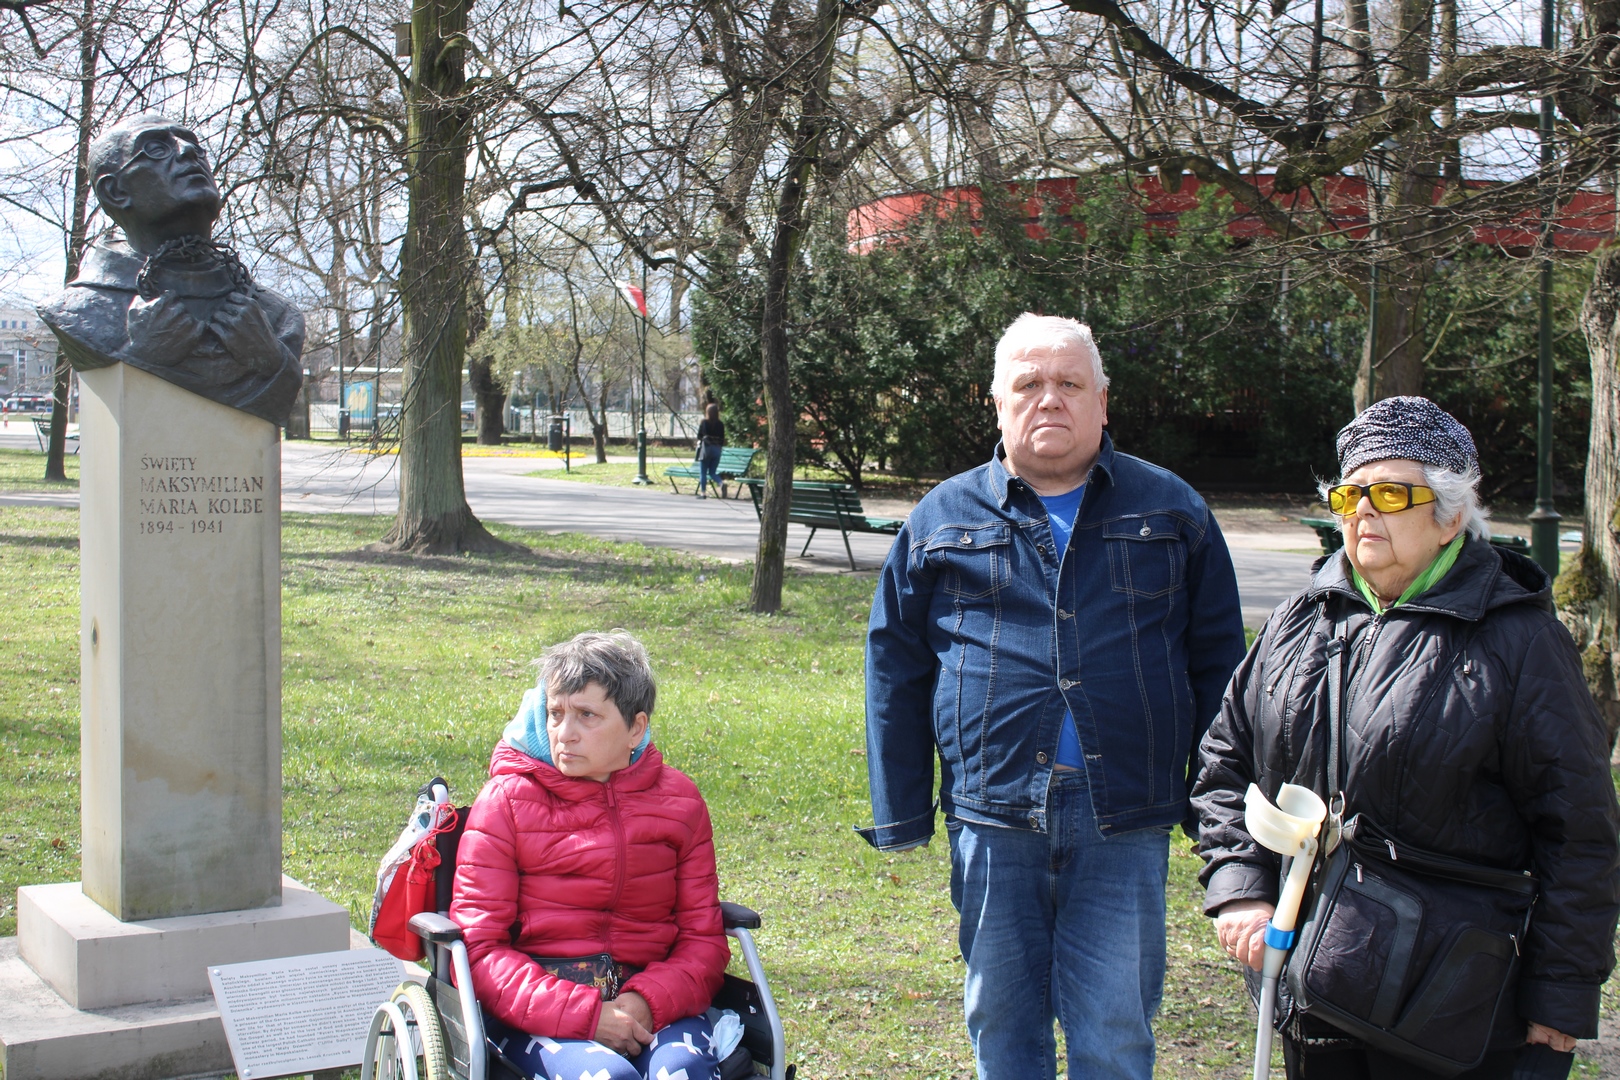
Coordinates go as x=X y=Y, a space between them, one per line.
x=972 y=560
x=1146 y=555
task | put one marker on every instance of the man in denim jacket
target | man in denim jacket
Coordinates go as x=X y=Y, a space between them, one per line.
x=1057 y=627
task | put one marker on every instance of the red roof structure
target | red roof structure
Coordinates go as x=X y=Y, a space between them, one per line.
x=1583 y=224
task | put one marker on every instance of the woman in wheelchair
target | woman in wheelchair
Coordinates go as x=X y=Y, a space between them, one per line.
x=586 y=885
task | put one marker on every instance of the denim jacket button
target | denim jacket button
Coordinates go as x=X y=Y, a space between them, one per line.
x=967 y=539
x=1040 y=758
x=1034 y=821
x=1064 y=684
x=1147 y=530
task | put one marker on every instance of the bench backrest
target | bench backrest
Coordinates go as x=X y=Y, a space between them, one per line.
x=736 y=460
x=816 y=501
x=825 y=502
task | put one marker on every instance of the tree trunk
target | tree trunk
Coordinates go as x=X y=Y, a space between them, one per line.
x=435 y=266
x=79 y=213
x=1408 y=236
x=1588 y=591
x=488 y=388
x=599 y=439
x=1392 y=349
x=489 y=392
x=770 y=561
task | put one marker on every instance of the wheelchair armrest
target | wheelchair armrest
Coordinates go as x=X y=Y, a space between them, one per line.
x=735 y=915
x=435 y=927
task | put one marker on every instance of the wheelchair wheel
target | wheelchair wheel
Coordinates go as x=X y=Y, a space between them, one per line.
x=418 y=1052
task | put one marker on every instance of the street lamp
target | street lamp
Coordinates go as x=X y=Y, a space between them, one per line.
x=1544 y=519
x=641 y=435
x=638 y=301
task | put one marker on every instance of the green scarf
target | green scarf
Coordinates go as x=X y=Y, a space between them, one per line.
x=1420 y=584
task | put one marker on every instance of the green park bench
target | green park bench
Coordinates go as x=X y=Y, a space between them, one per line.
x=1327 y=531
x=823 y=505
x=42 y=434
x=735 y=461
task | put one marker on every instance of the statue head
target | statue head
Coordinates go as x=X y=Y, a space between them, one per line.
x=151 y=177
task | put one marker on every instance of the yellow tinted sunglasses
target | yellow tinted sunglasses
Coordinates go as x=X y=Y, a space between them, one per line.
x=1388 y=497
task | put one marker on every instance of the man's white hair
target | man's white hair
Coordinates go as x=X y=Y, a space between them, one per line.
x=1046 y=332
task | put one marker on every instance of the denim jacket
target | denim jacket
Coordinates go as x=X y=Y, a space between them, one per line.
x=979 y=640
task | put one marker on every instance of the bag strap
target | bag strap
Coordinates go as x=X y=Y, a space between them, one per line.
x=1335 y=766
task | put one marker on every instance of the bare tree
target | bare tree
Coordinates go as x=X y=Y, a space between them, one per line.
x=1275 y=110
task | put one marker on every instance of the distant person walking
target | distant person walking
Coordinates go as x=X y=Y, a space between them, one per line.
x=711 y=439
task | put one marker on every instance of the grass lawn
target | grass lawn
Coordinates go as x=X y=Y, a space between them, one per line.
x=397 y=669
x=24 y=470
x=618 y=473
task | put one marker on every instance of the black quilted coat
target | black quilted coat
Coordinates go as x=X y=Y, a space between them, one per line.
x=1469 y=731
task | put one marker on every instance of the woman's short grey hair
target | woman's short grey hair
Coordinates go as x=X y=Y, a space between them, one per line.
x=1052 y=332
x=1456 y=496
x=615 y=661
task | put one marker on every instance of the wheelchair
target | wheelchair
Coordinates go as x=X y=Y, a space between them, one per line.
x=434 y=1030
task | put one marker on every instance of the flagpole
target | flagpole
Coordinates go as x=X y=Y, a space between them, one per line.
x=641 y=436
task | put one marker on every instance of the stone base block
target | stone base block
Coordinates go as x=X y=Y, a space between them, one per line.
x=93 y=961
x=42 y=1037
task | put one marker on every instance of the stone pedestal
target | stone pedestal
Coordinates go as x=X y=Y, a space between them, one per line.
x=94 y=961
x=180 y=695
x=143 y=1009
x=180 y=650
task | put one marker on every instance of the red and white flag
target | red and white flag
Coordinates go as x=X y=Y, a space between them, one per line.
x=637 y=298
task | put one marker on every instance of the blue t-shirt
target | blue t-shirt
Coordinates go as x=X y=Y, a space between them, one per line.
x=1061 y=511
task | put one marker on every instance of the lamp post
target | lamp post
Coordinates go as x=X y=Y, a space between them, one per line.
x=1544 y=519
x=641 y=435
x=638 y=303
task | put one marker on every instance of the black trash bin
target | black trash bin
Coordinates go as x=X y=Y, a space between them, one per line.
x=554 y=434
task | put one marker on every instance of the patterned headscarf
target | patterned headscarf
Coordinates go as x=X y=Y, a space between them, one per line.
x=1413 y=428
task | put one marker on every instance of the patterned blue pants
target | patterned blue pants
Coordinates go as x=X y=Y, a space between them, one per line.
x=682 y=1051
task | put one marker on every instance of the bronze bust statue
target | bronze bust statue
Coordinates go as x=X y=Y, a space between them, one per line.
x=166 y=298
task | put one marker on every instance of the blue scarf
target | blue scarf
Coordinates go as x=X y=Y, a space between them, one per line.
x=527 y=731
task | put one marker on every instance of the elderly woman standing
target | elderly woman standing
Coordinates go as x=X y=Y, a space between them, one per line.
x=1468 y=732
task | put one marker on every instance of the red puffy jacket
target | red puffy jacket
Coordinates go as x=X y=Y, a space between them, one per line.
x=552 y=865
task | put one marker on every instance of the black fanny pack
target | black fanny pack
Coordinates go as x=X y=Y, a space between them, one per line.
x=599 y=970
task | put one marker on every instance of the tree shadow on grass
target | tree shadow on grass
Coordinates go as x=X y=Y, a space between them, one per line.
x=63 y=543
x=580 y=567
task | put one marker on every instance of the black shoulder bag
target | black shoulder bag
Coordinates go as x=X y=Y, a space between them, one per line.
x=1409 y=951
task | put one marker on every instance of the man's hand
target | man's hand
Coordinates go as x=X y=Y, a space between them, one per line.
x=1543 y=1035
x=625 y=1024
x=1241 y=928
x=161 y=331
x=246 y=334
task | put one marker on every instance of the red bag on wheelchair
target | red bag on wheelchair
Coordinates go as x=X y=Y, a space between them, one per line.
x=406 y=879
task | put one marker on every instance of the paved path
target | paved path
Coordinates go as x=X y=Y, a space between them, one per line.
x=320 y=478
x=316 y=479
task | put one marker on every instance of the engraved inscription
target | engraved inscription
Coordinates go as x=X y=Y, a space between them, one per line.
x=177 y=487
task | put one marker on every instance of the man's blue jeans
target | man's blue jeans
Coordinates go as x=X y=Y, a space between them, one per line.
x=1062 y=924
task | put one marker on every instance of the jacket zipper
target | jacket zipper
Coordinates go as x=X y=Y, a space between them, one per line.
x=619 y=860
